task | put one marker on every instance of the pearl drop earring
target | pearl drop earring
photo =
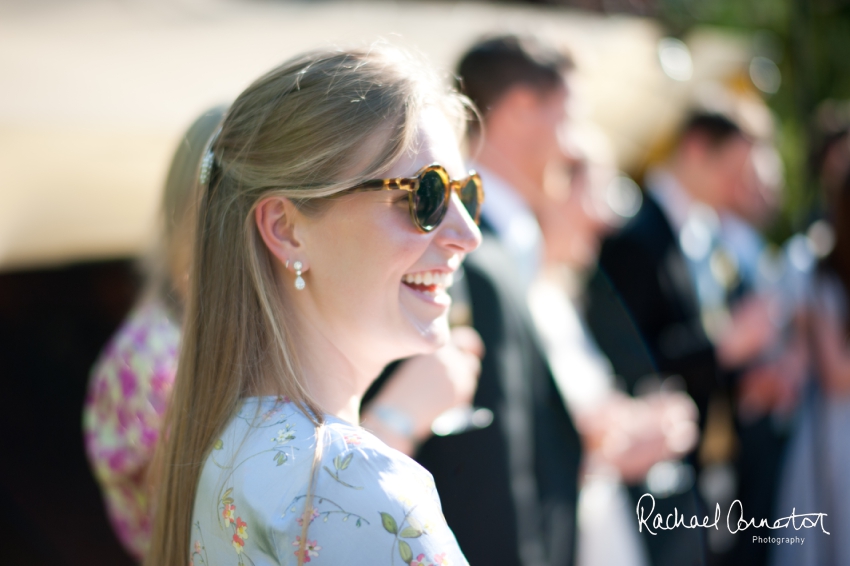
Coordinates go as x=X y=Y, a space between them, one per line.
x=299 y=281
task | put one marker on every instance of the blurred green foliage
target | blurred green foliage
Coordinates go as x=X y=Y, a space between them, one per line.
x=810 y=42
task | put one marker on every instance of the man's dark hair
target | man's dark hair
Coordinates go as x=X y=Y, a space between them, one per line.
x=715 y=129
x=495 y=64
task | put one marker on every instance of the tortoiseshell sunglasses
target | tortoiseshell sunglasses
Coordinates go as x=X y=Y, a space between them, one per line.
x=429 y=193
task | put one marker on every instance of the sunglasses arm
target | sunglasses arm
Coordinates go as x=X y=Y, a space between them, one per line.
x=386 y=185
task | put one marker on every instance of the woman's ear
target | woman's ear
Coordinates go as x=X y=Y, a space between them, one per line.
x=275 y=218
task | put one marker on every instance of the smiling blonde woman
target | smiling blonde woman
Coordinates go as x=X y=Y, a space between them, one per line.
x=308 y=277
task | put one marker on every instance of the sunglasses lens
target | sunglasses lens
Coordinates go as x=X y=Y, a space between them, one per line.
x=469 y=196
x=430 y=200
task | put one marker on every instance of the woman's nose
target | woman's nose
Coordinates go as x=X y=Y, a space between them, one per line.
x=458 y=230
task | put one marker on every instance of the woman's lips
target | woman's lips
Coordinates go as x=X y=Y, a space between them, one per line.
x=430 y=285
x=427 y=289
x=429 y=279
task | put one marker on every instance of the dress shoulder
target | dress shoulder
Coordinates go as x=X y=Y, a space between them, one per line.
x=370 y=503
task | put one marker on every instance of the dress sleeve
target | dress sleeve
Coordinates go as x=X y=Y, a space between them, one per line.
x=371 y=505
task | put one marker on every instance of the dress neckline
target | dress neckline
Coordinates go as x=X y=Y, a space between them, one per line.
x=328 y=418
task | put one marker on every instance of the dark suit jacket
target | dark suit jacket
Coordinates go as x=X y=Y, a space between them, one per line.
x=643 y=310
x=509 y=491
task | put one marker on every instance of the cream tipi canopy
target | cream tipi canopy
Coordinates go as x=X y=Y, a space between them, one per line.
x=95 y=94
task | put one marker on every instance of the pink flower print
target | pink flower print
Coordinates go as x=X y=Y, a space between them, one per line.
x=352 y=439
x=149 y=436
x=313 y=518
x=141 y=419
x=441 y=559
x=241 y=528
x=277 y=407
x=160 y=387
x=238 y=544
x=418 y=561
x=128 y=382
x=124 y=419
x=311 y=548
x=139 y=336
x=228 y=513
x=198 y=547
x=116 y=460
x=162 y=378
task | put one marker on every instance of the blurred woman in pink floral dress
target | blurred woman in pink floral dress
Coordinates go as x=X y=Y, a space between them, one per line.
x=130 y=384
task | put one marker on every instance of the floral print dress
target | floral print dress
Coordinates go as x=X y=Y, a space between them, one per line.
x=129 y=389
x=371 y=504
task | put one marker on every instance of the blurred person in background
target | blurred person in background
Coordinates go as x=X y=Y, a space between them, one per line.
x=624 y=436
x=763 y=350
x=510 y=490
x=655 y=265
x=130 y=384
x=522 y=86
x=815 y=478
x=664 y=286
x=761 y=341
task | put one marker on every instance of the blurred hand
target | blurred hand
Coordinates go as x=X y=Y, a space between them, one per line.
x=774 y=386
x=423 y=387
x=751 y=332
x=633 y=434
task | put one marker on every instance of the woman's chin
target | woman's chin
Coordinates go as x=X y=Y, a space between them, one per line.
x=426 y=318
x=438 y=332
x=428 y=336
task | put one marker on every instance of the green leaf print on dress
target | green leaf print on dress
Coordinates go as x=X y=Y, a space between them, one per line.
x=341 y=463
x=413 y=530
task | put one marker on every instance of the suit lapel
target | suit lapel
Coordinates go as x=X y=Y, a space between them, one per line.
x=681 y=285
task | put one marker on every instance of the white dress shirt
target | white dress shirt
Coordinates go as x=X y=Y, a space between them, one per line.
x=699 y=234
x=513 y=221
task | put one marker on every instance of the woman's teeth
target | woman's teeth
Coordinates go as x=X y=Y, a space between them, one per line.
x=429 y=281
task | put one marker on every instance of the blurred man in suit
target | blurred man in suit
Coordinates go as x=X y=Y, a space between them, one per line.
x=522 y=88
x=510 y=490
x=656 y=265
x=660 y=300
